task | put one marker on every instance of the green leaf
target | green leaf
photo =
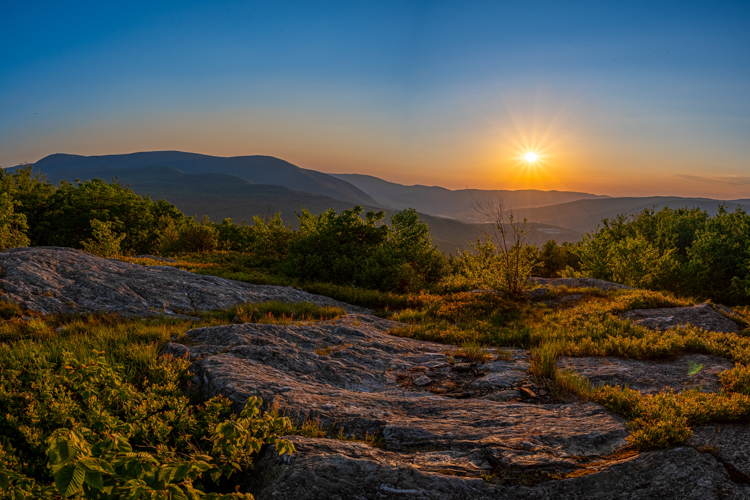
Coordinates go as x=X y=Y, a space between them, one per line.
x=69 y=480
x=90 y=464
x=123 y=445
x=94 y=479
x=694 y=368
x=166 y=474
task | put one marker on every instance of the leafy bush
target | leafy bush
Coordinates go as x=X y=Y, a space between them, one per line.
x=194 y=236
x=61 y=215
x=684 y=251
x=489 y=266
x=553 y=259
x=267 y=240
x=348 y=250
x=105 y=243
x=103 y=434
x=13 y=226
x=504 y=262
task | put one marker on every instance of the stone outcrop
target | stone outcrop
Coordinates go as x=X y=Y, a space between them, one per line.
x=349 y=373
x=729 y=444
x=701 y=315
x=326 y=468
x=53 y=280
x=652 y=376
x=465 y=430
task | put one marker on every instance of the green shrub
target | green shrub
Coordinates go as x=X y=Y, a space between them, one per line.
x=683 y=251
x=13 y=226
x=10 y=310
x=345 y=249
x=105 y=243
x=553 y=259
x=194 y=236
x=505 y=269
x=61 y=215
x=267 y=240
x=104 y=432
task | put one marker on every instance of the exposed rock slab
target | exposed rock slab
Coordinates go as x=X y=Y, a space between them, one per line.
x=729 y=443
x=53 y=280
x=325 y=468
x=701 y=315
x=652 y=376
x=350 y=373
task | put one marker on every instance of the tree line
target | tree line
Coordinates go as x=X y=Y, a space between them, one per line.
x=684 y=251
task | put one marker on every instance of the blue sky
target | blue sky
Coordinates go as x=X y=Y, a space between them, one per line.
x=623 y=98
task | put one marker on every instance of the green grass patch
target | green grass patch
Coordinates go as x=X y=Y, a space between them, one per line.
x=594 y=328
x=359 y=296
x=276 y=312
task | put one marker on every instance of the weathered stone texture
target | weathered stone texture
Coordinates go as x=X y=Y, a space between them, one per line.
x=701 y=315
x=652 y=376
x=326 y=468
x=350 y=373
x=53 y=280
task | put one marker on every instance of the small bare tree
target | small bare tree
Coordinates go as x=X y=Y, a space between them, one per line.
x=506 y=236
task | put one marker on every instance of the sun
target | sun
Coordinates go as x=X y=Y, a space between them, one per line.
x=530 y=157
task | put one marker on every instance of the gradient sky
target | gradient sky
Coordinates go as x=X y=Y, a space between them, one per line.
x=618 y=98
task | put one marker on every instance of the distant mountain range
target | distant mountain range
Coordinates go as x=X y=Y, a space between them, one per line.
x=254 y=169
x=585 y=215
x=457 y=204
x=244 y=186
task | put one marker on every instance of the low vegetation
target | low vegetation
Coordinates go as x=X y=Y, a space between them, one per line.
x=593 y=328
x=90 y=410
x=683 y=251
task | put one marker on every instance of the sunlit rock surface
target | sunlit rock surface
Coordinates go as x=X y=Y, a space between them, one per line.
x=652 y=376
x=53 y=280
x=701 y=315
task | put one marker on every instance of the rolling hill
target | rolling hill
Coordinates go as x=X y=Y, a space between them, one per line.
x=585 y=215
x=458 y=204
x=255 y=169
x=222 y=195
x=244 y=186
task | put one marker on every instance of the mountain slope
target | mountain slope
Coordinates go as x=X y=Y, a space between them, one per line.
x=585 y=215
x=458 y=204
x=256 y=169
x=221 y=195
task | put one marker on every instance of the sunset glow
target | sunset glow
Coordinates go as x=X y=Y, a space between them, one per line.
x=418 y=94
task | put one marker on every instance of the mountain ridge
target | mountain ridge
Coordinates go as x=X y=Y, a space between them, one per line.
x=585 y=215
x=223 y=196
x=259 y=169
x=435 y=199
x=243 y=186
